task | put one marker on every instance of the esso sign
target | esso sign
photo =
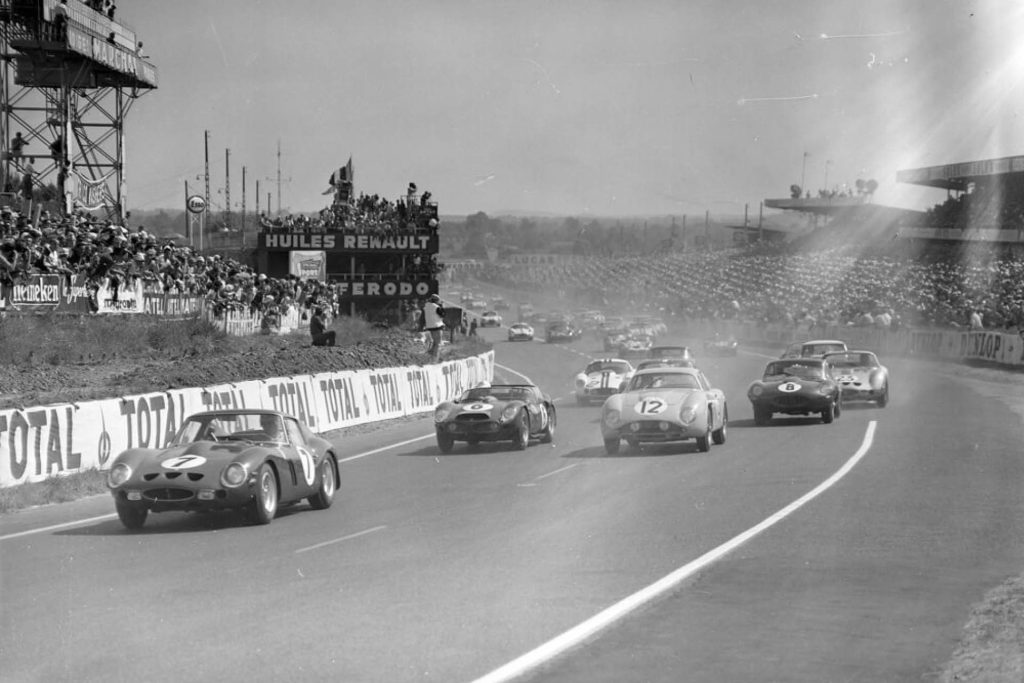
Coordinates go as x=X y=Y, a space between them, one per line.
x=196 y=204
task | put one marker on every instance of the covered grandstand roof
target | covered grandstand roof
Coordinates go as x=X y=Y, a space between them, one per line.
x=958 y=176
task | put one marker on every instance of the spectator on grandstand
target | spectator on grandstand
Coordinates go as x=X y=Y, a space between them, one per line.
x=17 y=145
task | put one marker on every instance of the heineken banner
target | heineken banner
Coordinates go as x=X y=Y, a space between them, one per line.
x=75 y=294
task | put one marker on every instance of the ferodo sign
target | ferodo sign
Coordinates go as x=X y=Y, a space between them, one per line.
x=37 y=443
x=388 y=289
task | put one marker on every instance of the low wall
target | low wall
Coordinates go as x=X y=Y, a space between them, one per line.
x=47 y=441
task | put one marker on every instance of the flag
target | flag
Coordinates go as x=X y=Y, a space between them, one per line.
x=349 y=173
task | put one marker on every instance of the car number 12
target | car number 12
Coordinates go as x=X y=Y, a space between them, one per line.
x=651 y=406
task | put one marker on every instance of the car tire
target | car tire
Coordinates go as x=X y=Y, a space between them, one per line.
x=548 y=435
x=828 y=415
x=132 y=517
x=704 y=441
x=611 y=446
x=522 y=440
x=264 y=507
x=445 y=443
x=883 y=400
x=324 y=496
x=762 y=416
x=718 y=436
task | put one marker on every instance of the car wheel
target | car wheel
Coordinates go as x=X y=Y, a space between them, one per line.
x=611 y=446
x=131 y=517
x=718 y=436
x=883 y=400
x=445 y=443
x=522 y=440
x=762 y=416
x=829 y=414
x=839 y=405
x=704 y=440
x=324 y=496
x=548 y=435
x=264 y=507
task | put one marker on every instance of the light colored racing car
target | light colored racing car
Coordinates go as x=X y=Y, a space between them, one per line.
x=520 y=332
x=490 y=319
x=815 y=348
x=601 y=378
x=661 y=405
x=861 y=377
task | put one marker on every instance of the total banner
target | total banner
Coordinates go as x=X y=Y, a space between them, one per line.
x=48 y=441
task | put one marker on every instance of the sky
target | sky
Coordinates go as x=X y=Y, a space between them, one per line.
x=652 y=107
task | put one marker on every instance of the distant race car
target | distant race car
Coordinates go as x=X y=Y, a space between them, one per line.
x=666 y=363
x=682 y=352
x=249 y=460
x=661 y=405
x=500 y=412
x=520 y=332
x=601 y=378
x=500 y=304
x=796 y=386
x=861 y=377
x=490 y=319
x=613 y=338
x=561 y=332
x=721 y=345
x=636 y=345
x=813 y=349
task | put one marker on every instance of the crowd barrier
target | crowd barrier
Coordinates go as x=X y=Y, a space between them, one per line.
x=54 y=440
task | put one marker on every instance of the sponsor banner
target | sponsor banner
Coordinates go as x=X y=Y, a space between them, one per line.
x=87 y=193
x=350 y=242
x=38 y=443
x=128 y=298
x=308 y=265
x=170 y=304
x=997 y=347
x=48 y=292
x=386 y=289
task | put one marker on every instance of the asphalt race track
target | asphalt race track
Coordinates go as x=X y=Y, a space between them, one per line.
x=456 y=567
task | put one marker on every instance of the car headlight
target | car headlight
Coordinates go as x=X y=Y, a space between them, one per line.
x=688 y=413
x=119 y=474
x=756 y=390
x=509 y=413
x=876 y=380
x=233 y=475
x=441 y=414
x=611 y=418
x=581 y=381
x=825 y=389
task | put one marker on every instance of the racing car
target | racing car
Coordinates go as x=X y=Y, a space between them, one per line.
x=520 y=332
x=636 y=344
x=601 y=378
x=500 y=412
x=861 y=377
x=490 y=319
x=249 y=460
x=561 y=332
x=815 y=348
x=613 y=338
x=662 y=405
x=796 y=386
x=720 y=345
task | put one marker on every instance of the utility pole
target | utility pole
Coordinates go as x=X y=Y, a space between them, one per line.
x=279 y=176
x=227 y=189
x=206 y=157
x=243 y=207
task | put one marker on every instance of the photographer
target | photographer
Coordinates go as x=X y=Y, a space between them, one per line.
x=432 y=321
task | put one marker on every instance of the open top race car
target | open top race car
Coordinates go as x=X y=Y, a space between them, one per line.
x=795 y=386
x=601 y=378
x=861 y=377
x=561 y=331
x=636 y=344
x=500 y=412
x=520 y=332
x=250 y=460
x=816 y=348
x=721 y=345
x=660 y=405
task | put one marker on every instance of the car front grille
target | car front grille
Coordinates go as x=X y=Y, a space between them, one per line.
x=168 y=494
x=192 y=476
x=472 y=417
x=791 y=401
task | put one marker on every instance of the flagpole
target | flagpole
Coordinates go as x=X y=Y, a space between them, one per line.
x=803 y=173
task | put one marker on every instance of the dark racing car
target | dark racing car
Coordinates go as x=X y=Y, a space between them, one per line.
x=248 y=460
x=501 y=412
x=797 y=386
x=558 y=332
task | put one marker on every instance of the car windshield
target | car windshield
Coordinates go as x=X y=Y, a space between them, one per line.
x=794 y=368
x=240 y=426
x=607 y=366
x=820 y=349
x=852 y=360
x=665 y=363
x=676 y=380
x=497 y=393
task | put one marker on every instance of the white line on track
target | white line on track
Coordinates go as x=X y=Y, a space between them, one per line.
x=55 y=527
x=561 y=469
x=375 y=451
x=357 y=534
x=514 y=372
x=546 y=652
